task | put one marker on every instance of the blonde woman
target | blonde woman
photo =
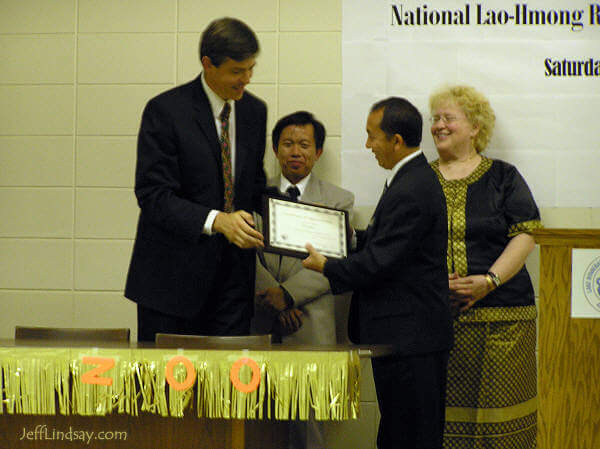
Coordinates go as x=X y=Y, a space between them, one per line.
x=491 y=391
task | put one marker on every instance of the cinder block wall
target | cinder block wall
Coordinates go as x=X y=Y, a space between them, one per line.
x=75 y=77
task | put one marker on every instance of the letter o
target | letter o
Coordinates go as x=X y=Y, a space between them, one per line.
x=189 y=379
x=235 y=378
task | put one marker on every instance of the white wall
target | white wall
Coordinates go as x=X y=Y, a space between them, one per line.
x=75 y=77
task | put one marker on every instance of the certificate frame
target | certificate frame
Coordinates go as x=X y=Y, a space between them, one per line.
x=273 y=206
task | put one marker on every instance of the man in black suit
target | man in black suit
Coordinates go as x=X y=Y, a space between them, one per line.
x=199 y=175
x=400 y=283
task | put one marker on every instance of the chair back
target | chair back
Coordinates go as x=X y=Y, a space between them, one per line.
x=72 y=334
x=211 y=341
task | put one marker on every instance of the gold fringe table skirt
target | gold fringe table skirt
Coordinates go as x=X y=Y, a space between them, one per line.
x=491 y=399
x=48 y=381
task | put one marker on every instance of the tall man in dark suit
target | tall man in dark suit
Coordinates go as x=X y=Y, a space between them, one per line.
x=199 y=175
x=400 y=283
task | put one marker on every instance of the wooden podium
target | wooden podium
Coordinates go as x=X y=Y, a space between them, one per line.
x=569 y=349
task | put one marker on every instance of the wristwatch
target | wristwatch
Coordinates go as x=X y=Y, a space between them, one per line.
x=289 y=301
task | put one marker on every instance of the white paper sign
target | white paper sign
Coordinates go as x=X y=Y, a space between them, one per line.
x=538 y=62
x=585 y=283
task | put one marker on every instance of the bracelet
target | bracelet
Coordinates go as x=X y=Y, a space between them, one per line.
x=495 y=279
x=490 y=283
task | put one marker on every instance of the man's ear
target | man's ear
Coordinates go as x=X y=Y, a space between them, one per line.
x=319 y=152
x=206 y=62
x=398 y=139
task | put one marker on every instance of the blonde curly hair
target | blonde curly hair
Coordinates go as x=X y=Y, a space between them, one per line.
x=475 y=106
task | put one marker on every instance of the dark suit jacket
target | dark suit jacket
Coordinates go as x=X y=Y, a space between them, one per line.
x=178 y=181
x=399 y=273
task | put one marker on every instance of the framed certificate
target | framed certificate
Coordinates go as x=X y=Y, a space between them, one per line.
x=288 y=226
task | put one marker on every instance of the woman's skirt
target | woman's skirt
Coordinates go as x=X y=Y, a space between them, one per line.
x=491 y=399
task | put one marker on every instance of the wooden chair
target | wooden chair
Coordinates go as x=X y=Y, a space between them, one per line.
x=211 y=341
x=72 y=334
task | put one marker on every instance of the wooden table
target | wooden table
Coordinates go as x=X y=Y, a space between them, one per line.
x=148 y=430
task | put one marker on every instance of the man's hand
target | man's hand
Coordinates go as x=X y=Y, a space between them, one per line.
x=315 y=261
x=238 y=228
x=272 y=298
x=288 y=322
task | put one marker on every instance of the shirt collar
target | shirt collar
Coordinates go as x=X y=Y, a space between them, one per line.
x=400 y=164
x=284 y=183
x=216 y=102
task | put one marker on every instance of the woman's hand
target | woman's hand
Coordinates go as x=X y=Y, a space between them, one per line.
x=466 y=291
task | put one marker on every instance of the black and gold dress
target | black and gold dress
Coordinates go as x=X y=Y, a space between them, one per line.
x=492 y=381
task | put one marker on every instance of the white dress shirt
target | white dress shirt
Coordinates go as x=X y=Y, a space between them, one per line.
x=284 y=184
x=216 y=104
x=399 y=165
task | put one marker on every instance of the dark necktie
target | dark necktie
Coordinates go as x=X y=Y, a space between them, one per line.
x=293 y=192
x=385 y=187
x=226 y=159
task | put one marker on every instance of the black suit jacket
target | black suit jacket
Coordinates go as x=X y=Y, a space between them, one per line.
x=179 y=180
x=399 y=273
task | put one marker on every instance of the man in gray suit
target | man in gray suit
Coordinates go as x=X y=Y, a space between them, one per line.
x=292 y=301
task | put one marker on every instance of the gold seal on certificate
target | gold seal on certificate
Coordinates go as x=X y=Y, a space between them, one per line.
x=290 y=225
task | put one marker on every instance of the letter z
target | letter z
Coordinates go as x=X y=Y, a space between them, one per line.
x=91 y=377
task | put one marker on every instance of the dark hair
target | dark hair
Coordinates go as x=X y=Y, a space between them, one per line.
x=228 y=38
x=299 y=118
x=400 y=117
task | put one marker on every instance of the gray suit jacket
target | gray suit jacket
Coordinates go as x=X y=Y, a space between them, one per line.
x=310 y=290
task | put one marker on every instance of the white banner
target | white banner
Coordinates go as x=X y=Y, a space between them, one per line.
x=538 y=62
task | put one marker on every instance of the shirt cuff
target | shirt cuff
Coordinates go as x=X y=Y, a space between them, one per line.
x=210 y=219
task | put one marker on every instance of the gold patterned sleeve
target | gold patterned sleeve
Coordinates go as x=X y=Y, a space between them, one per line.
x=519 y=207
x=524 y=227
